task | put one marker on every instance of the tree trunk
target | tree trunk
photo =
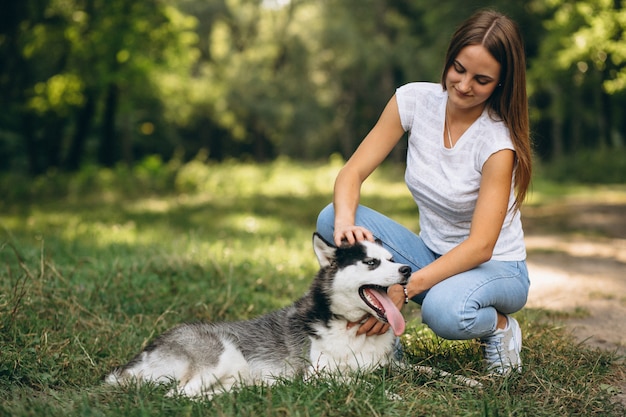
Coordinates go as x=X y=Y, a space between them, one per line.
x=83 y=125
x=107 y=152
x=606 y=112
x=557 y=121
x=602 y=117
x=30 y=140
x=577 y=117
x=53 y=140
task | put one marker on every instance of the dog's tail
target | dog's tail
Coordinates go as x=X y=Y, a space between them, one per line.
x=115 y=377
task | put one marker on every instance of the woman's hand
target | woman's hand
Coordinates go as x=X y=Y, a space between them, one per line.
x=372 y=326
x=351 y=234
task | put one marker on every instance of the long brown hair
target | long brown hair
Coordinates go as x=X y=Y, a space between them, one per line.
x=501 y=37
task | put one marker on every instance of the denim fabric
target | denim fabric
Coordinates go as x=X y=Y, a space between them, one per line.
x=460 y=307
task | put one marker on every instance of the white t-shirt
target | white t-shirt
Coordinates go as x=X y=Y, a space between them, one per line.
x=445 y=182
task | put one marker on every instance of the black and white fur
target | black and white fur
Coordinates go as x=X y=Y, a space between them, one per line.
x=307 y=337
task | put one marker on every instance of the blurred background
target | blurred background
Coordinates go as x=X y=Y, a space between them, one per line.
x=105 y=83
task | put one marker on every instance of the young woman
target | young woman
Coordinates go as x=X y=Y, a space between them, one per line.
x=468 y=169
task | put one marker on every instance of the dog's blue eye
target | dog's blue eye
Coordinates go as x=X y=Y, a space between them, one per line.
x=371 y=262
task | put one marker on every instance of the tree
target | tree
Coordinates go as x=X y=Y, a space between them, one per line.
x=70 y=63
x=110 y=81
x=581 y=61
x=122 y=49
x=35 y=96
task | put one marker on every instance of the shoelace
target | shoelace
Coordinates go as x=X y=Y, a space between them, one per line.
x=493 y=348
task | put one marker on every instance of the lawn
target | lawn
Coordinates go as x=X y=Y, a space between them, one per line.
x=97 y=264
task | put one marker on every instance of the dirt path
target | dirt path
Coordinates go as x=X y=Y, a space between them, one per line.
x=591 y=287
x=577 y=264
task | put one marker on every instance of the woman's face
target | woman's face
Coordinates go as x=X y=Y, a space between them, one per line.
x=472 y=78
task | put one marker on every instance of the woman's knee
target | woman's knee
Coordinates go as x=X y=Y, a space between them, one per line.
x=450 y=316
x=326 y=222
x=442 y=320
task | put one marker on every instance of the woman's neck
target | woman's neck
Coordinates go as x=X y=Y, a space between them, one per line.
x=464 y=116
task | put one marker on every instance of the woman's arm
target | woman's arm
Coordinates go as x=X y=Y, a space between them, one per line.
x=489 y=215
x=371 y=152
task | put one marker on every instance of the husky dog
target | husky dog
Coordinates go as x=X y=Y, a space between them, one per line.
x=309 y=336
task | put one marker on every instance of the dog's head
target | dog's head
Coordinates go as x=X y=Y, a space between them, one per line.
x=358 y=278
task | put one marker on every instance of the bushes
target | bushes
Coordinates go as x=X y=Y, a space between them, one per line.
x=154 y=176
x=150 y=175
x=592 y=167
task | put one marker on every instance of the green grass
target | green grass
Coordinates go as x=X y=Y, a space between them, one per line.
x=95 y=265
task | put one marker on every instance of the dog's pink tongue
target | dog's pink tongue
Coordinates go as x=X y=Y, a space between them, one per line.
x=394 y=317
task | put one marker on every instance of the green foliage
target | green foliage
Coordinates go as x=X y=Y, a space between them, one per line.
x=148 y=176
x=106 y=81
x=586 y=35
x=589 y=166
x=576 y=77
x=599 y=41
x=94 y=272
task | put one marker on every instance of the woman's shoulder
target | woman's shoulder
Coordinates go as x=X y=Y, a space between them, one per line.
x=495 y=126
x=421 y=87
x=491 y=136
x=422 y=95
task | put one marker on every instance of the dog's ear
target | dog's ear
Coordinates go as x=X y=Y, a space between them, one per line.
x=324 y=251
x=378 y=241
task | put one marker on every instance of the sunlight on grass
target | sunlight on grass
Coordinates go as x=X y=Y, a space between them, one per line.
x=96 y=268
x=152 y=205
x=252 y=224
x=543 y=191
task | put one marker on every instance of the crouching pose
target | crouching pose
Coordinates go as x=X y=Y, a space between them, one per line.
x=468 y=169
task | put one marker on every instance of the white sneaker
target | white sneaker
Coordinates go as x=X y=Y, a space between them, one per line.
x=501 y=350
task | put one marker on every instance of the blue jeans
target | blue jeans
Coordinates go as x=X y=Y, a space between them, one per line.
x=463 y=306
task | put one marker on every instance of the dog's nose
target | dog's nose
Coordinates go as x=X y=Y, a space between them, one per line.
x=405 y=271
